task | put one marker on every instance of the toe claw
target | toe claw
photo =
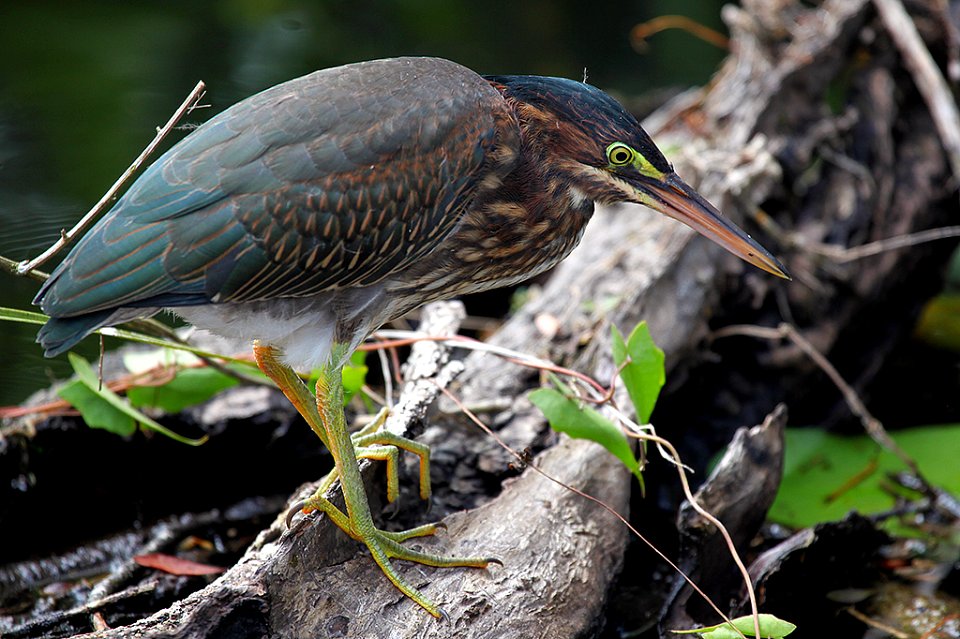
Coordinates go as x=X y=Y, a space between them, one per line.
x=296 y=508
x=494 y=560
x=391 y=510
x=443 y=615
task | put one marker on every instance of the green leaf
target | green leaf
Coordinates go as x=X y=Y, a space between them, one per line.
x=939 y=322
x=142 y=361
x=643 y=373
x=770 y=628
x=23 y=317
x=825 y=476
x=189 y=387
x=354 y=375
x=133 y=336
x=566 y=415
x=29 y=317
x=95 y=410
x=87 y=377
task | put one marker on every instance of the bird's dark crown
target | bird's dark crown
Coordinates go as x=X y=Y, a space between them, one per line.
x=580 y=119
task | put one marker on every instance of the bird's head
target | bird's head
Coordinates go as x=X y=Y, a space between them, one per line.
x=593 y=144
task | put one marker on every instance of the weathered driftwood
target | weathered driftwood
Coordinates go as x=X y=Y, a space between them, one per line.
x=750 y=138
x=738 y=492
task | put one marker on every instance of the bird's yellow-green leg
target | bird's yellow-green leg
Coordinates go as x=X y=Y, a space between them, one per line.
x=369 y=442
x=325 y=416
x=358 y=521
x=287 y=380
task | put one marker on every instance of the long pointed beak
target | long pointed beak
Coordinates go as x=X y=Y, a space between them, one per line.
x=677 y=199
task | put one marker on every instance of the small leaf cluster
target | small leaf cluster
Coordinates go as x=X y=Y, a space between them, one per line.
x=641 y=366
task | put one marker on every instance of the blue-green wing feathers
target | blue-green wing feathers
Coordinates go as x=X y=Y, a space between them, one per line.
x=336 y=179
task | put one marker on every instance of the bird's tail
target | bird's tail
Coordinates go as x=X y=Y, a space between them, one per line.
x=60 y=334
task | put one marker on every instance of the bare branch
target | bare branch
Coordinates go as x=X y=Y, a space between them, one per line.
x=930 y=82
x=188 y=105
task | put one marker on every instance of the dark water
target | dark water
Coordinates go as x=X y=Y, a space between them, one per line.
x=83 y=85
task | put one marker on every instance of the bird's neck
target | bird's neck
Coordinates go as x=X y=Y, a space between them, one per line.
x=538 y=198
x=524 y=219
x=530 y=222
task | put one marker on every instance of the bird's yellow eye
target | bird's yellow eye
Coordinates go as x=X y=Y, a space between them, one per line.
x=619 y=154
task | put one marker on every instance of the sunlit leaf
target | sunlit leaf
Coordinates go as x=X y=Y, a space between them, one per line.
x=825 y=476
x=771 y=627
x=141 y=361
x=87 y=377
x=566 y=415
x=95 y=410
x=643 y=373
x=189 y=387
x=354 y=375
x=23 y=317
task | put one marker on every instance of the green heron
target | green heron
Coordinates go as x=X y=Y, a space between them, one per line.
x=310 y=214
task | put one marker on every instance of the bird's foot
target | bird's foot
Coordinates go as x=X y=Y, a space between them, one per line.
x=385 y=545
x=372 y=442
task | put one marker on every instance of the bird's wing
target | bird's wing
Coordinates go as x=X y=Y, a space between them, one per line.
x=335 y=179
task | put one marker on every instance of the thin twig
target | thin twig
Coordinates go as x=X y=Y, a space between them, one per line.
x=873 y=623
x=872 y=425
x=646 y=433
x=12 y=266
x=607 y=397
x=930 y=82
x=844 y=255
x=387 y=376
x=751 y=593
x=642 y=31
x=405 y=338
x=66 y=236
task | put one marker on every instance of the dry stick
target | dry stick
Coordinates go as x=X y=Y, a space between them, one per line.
x=405 y=338
x=871 y=424
x=936 y=93
x=65 y=236
x=686 y=488
x=387 y=376
x=844 y=255
x=640 y=33
x=13 y=267
x=873 y=623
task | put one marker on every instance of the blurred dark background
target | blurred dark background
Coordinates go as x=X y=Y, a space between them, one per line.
x=83 y=86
